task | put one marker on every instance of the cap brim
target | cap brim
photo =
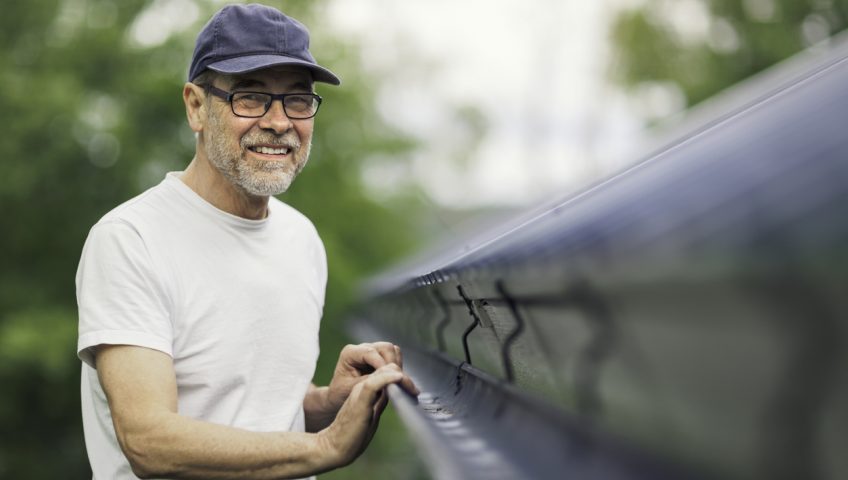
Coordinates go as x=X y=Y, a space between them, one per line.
x=258 y=62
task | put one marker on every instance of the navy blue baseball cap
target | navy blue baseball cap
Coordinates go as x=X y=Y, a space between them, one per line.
x=245 y=38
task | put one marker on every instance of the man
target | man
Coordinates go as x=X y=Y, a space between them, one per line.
x=200 y=299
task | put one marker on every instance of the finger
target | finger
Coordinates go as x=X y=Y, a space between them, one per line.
x=377 y=412
x=382 y=401
x=399 y=356
x=371 y=387
x=366 y=398
x=363 y=395
x=391 y=353
x=407 y=384
x=361 y=356
x=360 y=359
x=388 y=351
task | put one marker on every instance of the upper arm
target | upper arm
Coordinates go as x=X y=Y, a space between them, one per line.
x=121 y=297
x=141 y=388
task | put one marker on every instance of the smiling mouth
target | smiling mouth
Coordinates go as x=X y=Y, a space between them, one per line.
x=270 y=150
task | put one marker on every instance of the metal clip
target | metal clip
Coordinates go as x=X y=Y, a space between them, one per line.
x=471 y=327
x=513 y=336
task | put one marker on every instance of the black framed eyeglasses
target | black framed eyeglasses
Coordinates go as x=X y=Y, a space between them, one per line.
x=298 y=106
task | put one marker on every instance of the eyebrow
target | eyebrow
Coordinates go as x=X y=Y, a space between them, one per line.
x=250 y=83
x=247 y=83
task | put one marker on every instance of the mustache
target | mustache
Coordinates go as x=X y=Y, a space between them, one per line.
x=288 y=141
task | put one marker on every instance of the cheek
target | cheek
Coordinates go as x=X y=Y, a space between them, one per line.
x=304 y=133
x=232 y=128
x=240 y=129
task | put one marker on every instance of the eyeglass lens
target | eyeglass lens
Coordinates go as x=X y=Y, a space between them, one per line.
x=251 y=104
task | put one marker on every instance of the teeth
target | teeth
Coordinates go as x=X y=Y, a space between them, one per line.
x=271 y=151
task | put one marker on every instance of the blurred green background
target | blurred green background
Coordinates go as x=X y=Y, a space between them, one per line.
x=93 y=118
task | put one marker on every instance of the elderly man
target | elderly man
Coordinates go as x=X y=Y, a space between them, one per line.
x=200 y=299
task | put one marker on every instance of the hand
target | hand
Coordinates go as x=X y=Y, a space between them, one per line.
x=357 y=419
x=356 y=362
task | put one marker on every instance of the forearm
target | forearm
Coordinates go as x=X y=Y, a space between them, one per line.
x=173 y=446
x=317 y=409
x=140 y=385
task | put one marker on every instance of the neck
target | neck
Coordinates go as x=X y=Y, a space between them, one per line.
x=213 y=187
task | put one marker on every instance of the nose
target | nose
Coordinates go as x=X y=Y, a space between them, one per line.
x=275 y=119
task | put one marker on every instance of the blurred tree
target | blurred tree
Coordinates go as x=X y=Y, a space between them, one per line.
x=702 y=46
x=93 y=115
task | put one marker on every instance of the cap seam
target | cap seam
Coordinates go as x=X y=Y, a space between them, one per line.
x=281 y=38
x=218 y=58
x=215 y=34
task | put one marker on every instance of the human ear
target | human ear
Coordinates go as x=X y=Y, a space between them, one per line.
x=195 y=104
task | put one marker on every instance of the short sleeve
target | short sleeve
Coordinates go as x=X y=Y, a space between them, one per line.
x=121 y=301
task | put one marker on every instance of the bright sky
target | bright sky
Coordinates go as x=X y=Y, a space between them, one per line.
x=536 y=70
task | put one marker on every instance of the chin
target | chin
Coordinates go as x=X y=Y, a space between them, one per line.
x=267 y=185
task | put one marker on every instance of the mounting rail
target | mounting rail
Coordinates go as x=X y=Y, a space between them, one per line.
x=685 y=318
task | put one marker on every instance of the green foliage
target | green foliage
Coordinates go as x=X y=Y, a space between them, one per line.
x=742 y=38
x=91 y=120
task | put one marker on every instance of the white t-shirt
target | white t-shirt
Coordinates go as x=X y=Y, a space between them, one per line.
x=236 y=303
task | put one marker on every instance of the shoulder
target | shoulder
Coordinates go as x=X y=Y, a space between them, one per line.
x=143 y=206
x=284 y=213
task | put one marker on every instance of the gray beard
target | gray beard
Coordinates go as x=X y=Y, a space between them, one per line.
x=254 y=178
